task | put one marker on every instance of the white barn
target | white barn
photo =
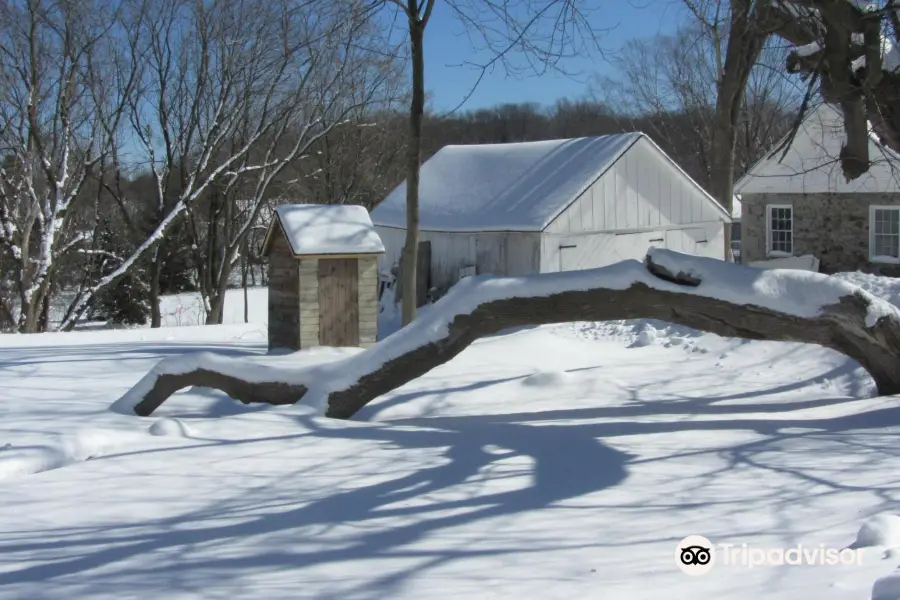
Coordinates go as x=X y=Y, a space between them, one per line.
x=539 y=207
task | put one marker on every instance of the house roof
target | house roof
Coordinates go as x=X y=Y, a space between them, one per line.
x=812 y=166
x=505 y=187
x=315 y=229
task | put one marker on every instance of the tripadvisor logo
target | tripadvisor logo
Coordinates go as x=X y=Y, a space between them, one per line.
x=696 y=555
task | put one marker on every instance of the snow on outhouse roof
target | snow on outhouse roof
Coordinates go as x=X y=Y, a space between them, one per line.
x=504 y=187
x=812 y=165
x=327 y=229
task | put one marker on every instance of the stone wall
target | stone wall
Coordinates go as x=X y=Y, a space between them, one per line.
x=368 y=300
x=283 y=295
x=309 y=302
x=832 y=227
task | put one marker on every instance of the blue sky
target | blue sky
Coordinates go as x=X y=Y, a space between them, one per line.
x=446 y=47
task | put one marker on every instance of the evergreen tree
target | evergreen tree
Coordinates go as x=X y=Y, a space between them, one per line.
x=127 y=301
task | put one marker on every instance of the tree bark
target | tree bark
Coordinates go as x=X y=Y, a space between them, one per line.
x=867 y=95
x=267 y=392
x=245 y=265
x=840 y=326
x=413 y=158
x=155 y=270
x=745 y=43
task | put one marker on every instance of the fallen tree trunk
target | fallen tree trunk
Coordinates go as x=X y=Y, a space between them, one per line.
x=704 y=294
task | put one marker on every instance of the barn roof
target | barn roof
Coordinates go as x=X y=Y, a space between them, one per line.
x=812 y=166
x=313 y=229
x=506 y=187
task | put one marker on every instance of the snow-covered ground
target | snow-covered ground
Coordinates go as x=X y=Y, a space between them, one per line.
x=186 y=309
x=555 y=462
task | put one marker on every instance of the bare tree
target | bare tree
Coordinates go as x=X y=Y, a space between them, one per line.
x=737 y=30
x=667 y=85
x=229 y=95
x=851 y=49
x=337 y=99
x=848 y=47
x=541 y=32
x=52 y=138
x=357 y=162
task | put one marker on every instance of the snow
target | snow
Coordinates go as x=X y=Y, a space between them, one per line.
x=887 y=588
x=795 y=292
x=808 y=49
x=504 y=187
x=806 y=262
x=887 y=288
x=563 y=461
x=881 y=531
x=329 y=229
x=811 y=164
x=186 y=309
x=537 y=464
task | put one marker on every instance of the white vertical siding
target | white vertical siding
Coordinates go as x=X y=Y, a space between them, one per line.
x=498 y=253
x=706 y=240
x=393 y=240
x=592 y=250
x=641 y=190
x=523 y=252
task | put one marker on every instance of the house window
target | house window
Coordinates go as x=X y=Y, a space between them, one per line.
x=780 y=229
x=884 y=233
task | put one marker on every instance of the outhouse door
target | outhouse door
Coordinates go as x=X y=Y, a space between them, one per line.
x=338 y=302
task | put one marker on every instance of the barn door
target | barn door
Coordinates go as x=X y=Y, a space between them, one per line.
x=338 y=302
x=568 y=257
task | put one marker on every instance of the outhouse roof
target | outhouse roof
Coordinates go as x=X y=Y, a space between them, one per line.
x=314 y=229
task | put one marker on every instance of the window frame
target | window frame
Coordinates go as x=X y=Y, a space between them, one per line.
x=769 y=251
x=876 y=258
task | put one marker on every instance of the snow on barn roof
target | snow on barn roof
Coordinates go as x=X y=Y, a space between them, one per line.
x=327 y=229
x=812 y=166
x=504 y=187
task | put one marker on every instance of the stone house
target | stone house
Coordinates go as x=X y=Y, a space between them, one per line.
x=323 y=276
x=798 y=203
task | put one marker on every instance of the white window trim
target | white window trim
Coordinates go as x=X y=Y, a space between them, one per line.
x=769 y=251
x=873 y=257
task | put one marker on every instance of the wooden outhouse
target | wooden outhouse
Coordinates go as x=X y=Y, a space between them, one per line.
x=323 y=276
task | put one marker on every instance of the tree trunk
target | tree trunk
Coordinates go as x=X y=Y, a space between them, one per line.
x=721 y=172
x=155 y=269
x=400 y=358
x=745 y=42
x=413 y=158
x=214 y=315
x=868 y=96
x=44 y=318
x=27 y=320
x=245 y=264
x=36 y=311
x=218 y=281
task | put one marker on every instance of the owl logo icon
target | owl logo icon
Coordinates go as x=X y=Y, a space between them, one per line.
x=695 y=555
